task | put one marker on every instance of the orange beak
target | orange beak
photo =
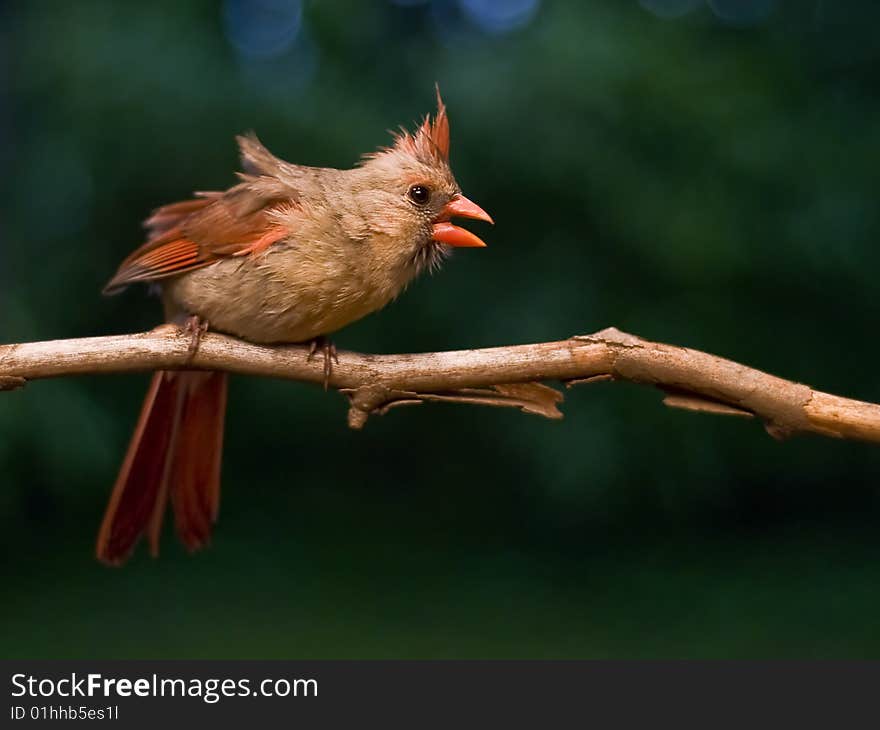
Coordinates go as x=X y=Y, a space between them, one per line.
x=452 y=235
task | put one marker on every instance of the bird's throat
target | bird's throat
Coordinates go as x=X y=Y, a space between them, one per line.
x=430 y=256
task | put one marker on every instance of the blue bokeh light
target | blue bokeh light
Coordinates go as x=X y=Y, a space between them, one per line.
x=499 y=16
x=262 y=28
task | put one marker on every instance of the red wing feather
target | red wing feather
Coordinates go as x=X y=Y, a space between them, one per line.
x=168 y=216
x=199 y=239
x=171 y=256
x=193 y=233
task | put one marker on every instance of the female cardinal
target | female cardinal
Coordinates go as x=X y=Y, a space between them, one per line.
x=289 y=254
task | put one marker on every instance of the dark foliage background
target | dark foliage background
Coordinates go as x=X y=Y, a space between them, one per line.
x=698 y=173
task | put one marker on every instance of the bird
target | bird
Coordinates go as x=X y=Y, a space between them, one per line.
x=288 y=254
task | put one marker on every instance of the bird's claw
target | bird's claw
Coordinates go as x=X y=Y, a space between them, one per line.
x=195 y=327
x=329 y=351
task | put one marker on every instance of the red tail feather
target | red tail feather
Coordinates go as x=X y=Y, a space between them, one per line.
x=176 y=449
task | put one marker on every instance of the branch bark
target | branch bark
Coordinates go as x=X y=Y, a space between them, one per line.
x=497 y=376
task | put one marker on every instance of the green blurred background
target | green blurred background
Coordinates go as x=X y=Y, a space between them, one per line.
x=698 y=173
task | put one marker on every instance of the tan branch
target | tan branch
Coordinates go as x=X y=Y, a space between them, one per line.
x=497 y=376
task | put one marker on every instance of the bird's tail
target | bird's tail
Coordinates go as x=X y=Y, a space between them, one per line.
x=175 y=452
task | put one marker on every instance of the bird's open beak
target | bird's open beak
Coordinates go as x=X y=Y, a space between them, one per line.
x=452 y=235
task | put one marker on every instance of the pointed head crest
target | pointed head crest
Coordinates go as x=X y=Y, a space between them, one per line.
x=430 y=142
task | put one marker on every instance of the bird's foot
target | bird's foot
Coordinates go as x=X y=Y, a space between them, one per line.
x=329 y=351
x=195 y=327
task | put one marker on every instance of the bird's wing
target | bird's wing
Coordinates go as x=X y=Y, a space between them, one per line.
x=213 y=225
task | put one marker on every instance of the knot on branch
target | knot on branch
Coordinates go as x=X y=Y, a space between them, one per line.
x=612 y=336
x=377 y=399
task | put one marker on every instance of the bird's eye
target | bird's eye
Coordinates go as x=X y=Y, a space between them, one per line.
x=419 y=194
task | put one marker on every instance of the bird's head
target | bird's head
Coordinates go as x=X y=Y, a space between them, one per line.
x=415 y=196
